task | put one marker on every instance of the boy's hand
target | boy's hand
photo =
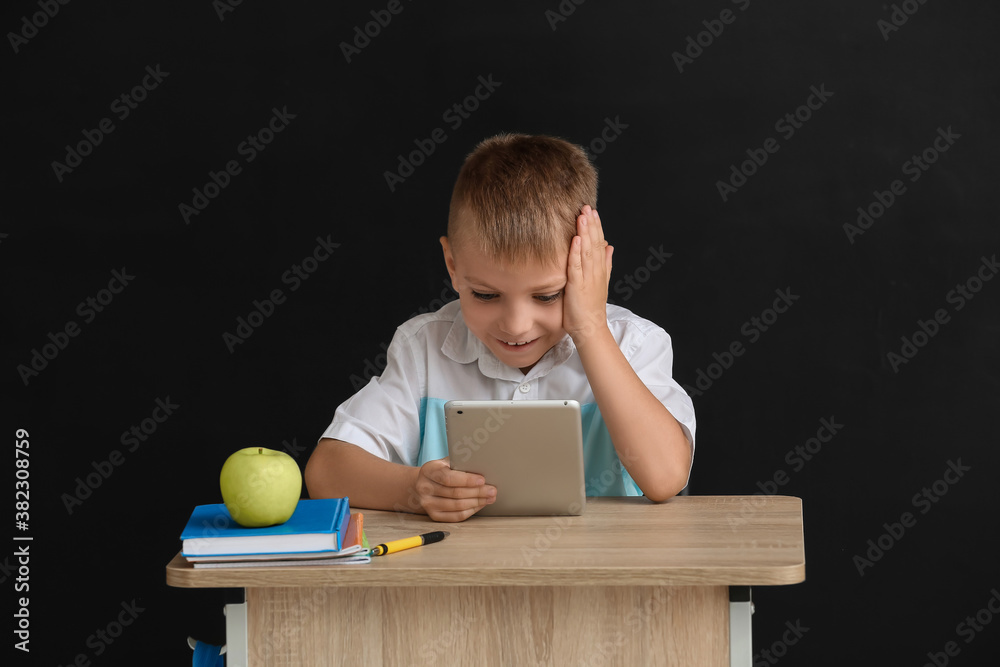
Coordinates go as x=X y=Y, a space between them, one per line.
x=451 y=495
x=588 y=272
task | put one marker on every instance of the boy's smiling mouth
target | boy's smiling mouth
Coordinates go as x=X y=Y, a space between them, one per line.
x=516 y=344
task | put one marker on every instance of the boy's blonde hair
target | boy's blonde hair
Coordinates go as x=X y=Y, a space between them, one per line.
x=518 y=197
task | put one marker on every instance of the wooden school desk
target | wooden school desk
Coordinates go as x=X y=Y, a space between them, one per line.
x=628 y=583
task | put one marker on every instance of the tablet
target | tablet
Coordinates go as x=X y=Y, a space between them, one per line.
x=532 y=451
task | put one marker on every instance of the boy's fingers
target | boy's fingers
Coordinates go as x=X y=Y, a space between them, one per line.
x=596 y=233
x=484 y=492
x=452 y=516
x=440 y=472
x=459 y=479
x=455 y=478
x=573 y=263
x=602 y=243
x=584 y=233
x=449 y=517
x=593 y=225
x=455 y=509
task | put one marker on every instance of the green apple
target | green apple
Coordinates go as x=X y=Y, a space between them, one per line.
x=260 y=486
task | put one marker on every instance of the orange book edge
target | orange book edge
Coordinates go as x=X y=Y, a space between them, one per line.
x=355 y=534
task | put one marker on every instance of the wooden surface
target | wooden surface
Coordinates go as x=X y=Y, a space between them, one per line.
x=485 y=626
x=687 y=541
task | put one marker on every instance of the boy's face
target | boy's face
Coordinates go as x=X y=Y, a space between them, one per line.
x=516 y=311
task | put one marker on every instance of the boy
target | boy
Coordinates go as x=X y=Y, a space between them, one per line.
x=526 y=253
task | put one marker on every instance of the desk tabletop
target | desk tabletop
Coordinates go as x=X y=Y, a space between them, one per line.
x=686 y=541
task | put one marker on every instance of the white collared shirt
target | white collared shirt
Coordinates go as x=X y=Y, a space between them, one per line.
x=434 y=358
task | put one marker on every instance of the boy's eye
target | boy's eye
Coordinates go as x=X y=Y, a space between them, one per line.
x=488 y=296
x=549 y=298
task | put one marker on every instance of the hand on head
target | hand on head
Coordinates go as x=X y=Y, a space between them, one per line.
x=588 y=273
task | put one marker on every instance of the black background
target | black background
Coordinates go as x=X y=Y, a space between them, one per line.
x=679 y=132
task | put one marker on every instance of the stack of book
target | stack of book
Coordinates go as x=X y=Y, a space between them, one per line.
x=320 y=532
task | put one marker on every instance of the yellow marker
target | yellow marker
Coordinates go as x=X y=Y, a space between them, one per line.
x=409 y=542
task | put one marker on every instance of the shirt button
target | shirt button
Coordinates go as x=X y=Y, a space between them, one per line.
x=525 y=388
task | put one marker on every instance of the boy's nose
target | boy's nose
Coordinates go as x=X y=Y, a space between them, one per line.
x=516 y=322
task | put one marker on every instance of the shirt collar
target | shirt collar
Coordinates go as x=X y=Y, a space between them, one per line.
x=462 y=346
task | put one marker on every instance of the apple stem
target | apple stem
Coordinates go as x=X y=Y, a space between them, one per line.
x=260 y=450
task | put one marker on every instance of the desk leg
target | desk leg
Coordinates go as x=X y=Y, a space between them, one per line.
x=740 y=627
x=236 y=634
x=682 y=626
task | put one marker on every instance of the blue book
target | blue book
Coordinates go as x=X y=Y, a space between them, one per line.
x=315 y=526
